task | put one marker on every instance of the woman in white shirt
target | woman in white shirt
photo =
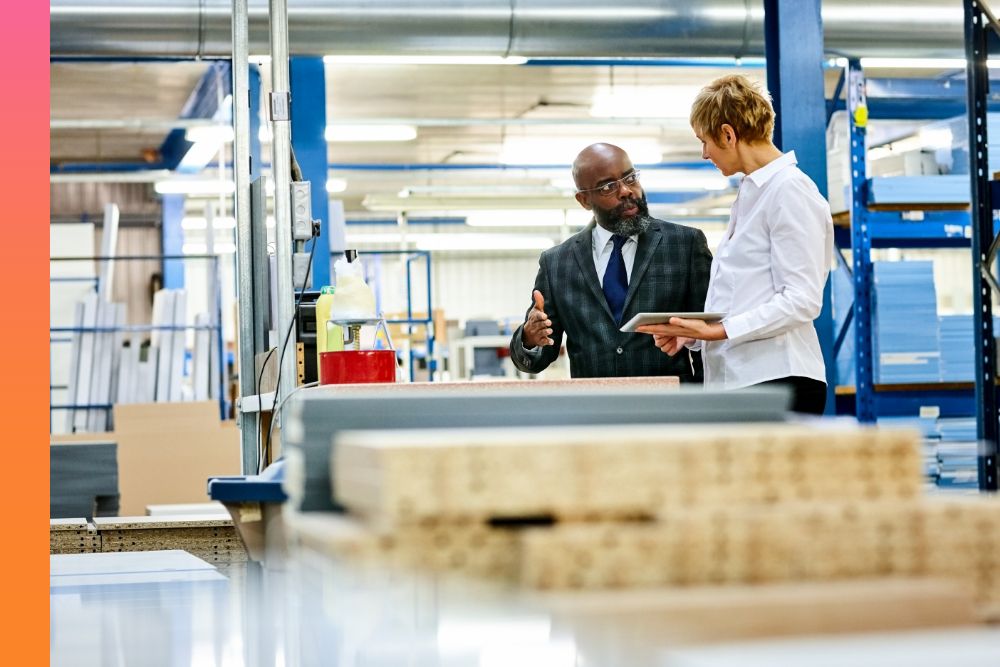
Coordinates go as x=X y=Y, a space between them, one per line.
x=769 y=271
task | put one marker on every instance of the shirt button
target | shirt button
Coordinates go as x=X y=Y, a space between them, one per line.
x=619 y=350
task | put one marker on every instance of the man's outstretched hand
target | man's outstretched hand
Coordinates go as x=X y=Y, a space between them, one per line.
x=538 y=328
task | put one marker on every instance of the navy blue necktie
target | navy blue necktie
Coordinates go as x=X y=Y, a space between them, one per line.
x=616 y=279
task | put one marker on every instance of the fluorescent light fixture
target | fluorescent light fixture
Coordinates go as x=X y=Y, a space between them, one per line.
x=192 y=186
x=349 y=133
x=470 y=241
x=664 y=180
x=199 y=222
x=378 y=202
x=424 y=60
x=199 y=156
x=202 y=248
x=643 y=101
x=491 y=190
x=529 y=218
x=912 y=63
x=210 y=133
x=333 y=185
x=528 y=150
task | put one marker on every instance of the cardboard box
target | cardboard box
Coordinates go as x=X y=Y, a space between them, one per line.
x=167 y=451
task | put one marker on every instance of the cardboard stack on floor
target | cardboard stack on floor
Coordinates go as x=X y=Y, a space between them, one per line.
x=654 y=505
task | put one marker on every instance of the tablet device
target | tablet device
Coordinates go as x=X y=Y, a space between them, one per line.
x=663 y=318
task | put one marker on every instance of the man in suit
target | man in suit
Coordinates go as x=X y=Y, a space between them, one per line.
x=624 y=262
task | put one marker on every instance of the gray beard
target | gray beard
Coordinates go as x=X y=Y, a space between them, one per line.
x=633 y=226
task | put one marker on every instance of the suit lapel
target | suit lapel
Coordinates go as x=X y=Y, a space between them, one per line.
x=584 y=253
x=643 y=256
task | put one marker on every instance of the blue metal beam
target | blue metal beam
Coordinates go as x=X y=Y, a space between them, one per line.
x=793 y=46
x=172 y=211
x=308 y=86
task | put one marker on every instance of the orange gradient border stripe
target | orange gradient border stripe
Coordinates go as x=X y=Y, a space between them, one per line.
x=24 y=316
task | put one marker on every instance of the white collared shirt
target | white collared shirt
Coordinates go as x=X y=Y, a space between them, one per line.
x=768 y=276
x=602 y=247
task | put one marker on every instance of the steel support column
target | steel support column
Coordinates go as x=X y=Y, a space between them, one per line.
x=861 y=246
x=242 y=165
x=279 y=108
x=308 y=81
x=979 y=22
x=793 y=47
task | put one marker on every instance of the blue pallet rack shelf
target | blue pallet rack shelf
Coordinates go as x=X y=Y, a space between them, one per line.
x=939 y=226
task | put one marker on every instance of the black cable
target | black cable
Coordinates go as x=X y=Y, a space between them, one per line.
x=281 y=357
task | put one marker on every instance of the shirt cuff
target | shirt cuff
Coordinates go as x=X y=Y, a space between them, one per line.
x=534 y=352
x=737 y=326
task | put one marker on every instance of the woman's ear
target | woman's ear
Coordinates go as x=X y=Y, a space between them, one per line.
x=728 y=135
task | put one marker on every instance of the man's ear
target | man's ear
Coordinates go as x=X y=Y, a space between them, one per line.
x=581 y=197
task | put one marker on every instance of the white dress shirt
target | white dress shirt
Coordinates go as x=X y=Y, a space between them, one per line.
x=603 y=246
x=768 y=276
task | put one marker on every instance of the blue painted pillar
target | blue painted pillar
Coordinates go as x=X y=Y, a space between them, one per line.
x=308 y=83
x=793 y=39
x=173 y=240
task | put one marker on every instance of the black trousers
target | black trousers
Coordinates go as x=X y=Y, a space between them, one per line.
x=808 y=395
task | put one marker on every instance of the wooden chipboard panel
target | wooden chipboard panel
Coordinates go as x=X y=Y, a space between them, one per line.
x=952 y=539
x=612 y=472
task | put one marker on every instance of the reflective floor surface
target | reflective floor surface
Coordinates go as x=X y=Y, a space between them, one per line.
x=171 y=609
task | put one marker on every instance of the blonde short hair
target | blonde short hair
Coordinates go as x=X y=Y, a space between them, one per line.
x=737 y=101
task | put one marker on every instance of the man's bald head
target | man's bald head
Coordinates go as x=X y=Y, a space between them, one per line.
x=595 y=158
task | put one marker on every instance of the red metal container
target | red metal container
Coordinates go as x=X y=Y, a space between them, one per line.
x=357 y=366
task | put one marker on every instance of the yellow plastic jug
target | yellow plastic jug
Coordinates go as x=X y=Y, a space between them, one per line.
x=328 y=338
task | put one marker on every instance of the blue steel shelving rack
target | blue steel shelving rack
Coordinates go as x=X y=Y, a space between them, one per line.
x=980 y=30
x=428 y=322
x=938 y=228
x=882 y=228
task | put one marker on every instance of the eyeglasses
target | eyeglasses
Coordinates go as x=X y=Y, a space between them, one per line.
x=610 y=188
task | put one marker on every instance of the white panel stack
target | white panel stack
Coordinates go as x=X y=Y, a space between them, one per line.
x=169 y=312
x=94 y=363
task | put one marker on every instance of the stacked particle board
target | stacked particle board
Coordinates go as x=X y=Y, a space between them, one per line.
x=951 y=538
x=649 y=506
x=73 y=536
x=212 y=538
x=614 y=472
x=317 y=414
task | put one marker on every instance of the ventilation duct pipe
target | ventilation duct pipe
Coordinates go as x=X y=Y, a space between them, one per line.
x=533 y=28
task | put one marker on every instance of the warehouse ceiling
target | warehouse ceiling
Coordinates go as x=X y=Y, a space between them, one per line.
x=465 y=114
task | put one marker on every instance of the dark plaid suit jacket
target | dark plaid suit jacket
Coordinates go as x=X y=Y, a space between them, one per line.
x=670 y=274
